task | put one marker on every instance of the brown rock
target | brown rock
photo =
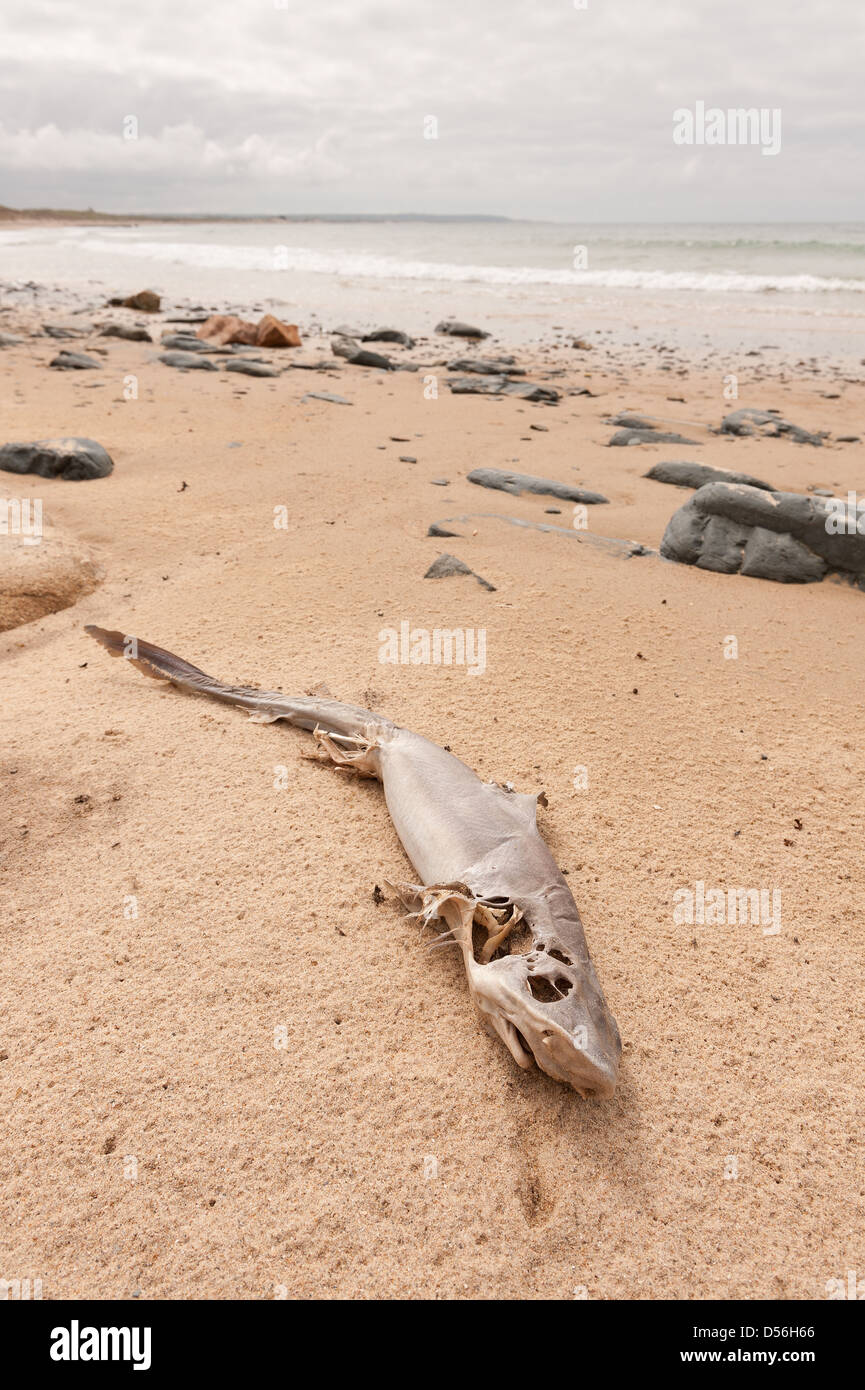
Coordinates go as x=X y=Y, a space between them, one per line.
x=272 y=332
x=227 y=328
x=145 y=301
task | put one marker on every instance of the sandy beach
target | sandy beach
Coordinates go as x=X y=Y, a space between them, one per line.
x=230 y=1068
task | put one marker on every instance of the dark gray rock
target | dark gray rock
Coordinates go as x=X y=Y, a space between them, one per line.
x=610 y=544
x=73 y=362
x=517 y=483
x=487 y=366
x=73 y=459
x=248 y=368
x=344 y=347
x=625 y=437
x=322 y=365
x=364 y=358
x=456 y=329
x=186 y=342
x=61 y=332
x=748 y=421
x=447 y=565
x=697 y=474
x=722 y=545
x=436 y=529
x=782 y=558
x=782 y=536
x=388 y=335
x=501 y=386
x=189 y=360
x=626 y=419
x=351 y=350
x=125 y=330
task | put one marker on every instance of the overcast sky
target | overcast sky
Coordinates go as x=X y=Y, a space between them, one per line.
x=544 y=110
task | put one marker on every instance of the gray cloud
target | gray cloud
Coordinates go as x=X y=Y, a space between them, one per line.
x=544 y=110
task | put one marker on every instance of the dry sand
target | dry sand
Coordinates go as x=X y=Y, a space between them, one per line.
x=156 y=1142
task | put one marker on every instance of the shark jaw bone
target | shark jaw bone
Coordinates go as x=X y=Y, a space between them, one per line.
x=542 y=1005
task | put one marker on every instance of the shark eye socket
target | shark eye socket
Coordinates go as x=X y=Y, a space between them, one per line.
x=549 y=991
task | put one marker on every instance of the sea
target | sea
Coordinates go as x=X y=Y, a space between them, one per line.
x=796 y=287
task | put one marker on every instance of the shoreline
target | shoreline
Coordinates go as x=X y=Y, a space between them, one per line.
x=674 y=346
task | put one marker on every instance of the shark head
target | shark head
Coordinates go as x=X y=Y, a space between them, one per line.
x=533 y=983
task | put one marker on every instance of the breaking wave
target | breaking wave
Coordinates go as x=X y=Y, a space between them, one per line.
x=352 y=264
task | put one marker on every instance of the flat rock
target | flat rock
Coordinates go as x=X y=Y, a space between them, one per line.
x=73 y=362
x=517 y=483
x=388 y=335
x=188 y=360
x=186 y=342
x=487 y=366
x=325 y=396
x=697 y=474
x=625 y=437
x=352 y=352
x=784 y=536
x=9 y=340
x=626 y=419
x=447 y=565
x=749 y=421
x=610 y=544
x=125 y=330
x=61 y=332
x=501 y=386
x=41 y=573
x=456 y=329
x=72 y=459
x=239 y=364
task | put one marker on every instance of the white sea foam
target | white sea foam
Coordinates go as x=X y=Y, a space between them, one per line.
x=352 y=264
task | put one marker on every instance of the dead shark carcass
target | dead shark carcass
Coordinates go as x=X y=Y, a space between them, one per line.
x=485 y=873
